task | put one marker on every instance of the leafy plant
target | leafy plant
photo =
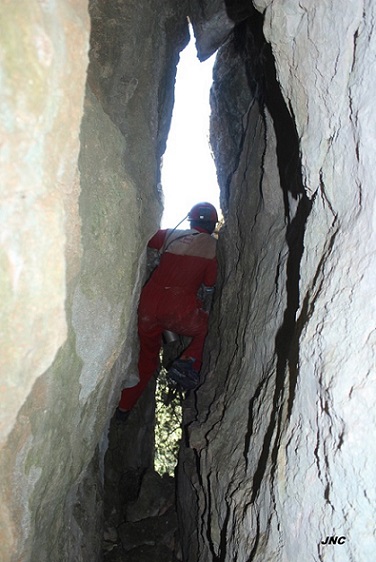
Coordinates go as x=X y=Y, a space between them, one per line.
x=168 y=425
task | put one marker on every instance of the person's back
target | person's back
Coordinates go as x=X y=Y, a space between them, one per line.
x=188 y=259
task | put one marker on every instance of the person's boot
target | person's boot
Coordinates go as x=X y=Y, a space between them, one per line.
x=121 y=415
x=183 y=374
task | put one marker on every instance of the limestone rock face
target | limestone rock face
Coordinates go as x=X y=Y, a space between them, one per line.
x=281 y=432
x=80 y=200
x=278 y=448
x=134 y=52
x=41 y=84
x=211 y=25
x=43 y=60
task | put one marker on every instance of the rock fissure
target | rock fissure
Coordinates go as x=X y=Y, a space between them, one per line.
x=223 y=536
x=255 y=541
x=207 y=522
x=250 y=426
x=281 y=118
x=275 y=453
x=287 y=350
x=324 y=195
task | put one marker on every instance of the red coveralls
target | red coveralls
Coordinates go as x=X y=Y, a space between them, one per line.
x=169 y=301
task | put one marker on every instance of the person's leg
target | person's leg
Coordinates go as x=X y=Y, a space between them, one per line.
x=181 y=313
x=195 y=326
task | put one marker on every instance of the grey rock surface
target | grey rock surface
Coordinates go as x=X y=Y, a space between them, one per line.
x=211 y=25
x=278 y=458
x=36 y=96
x=81 y=199
x=140 y=518
x=279 y=439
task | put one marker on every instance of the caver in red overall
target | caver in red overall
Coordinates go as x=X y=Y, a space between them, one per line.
x=169 y=300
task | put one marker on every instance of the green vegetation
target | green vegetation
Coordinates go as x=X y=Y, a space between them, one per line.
x=168 y=426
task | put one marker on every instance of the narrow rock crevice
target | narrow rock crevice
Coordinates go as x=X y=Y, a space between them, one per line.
x=282 y=416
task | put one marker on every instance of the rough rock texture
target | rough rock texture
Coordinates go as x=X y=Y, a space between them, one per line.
x=43 y=59
x=80 y=200
x=211 y=25
x=41 y=83
x=129 y=454
x=134 y=78
x=280 y=448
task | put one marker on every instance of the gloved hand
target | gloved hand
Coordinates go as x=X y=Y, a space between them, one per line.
x=207 y=297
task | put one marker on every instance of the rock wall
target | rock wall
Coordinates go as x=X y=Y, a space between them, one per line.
x=80 y=148
x=280 y=435
x=43 y=61
x=277 y=453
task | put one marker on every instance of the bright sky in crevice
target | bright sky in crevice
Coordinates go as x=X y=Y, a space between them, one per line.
x=188 y=173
